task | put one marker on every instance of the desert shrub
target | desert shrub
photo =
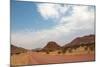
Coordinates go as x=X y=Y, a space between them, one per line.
x=47 y=52
x=37 y=51
x=75 y=47
x=59 y=52
x=18 y=53
x=50 y=50
x=70 y=50
x=92 y=48
x=86 y=48
x=64 y=50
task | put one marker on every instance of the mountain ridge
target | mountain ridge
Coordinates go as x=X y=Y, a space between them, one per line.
x=81 y=40
x=52 y=46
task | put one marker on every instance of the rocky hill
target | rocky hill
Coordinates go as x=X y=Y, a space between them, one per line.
x=17 y=50
x=51 y=46
x=89 y=39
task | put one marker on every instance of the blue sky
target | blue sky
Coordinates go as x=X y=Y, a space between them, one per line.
x=25 y=16
x=34 y=24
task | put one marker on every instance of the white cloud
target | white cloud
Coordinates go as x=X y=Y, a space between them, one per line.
x=51 y=10
x=80 y=22
x=48 y=10
x=81 y=18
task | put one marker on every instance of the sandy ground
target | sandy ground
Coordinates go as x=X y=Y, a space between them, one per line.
x=38 y=58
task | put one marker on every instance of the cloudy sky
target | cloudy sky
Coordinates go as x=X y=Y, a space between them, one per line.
x=33 y=24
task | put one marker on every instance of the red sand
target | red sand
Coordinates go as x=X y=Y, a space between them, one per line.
x=45 y=59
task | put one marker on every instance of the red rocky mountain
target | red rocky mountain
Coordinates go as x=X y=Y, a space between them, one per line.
x=89 y=39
